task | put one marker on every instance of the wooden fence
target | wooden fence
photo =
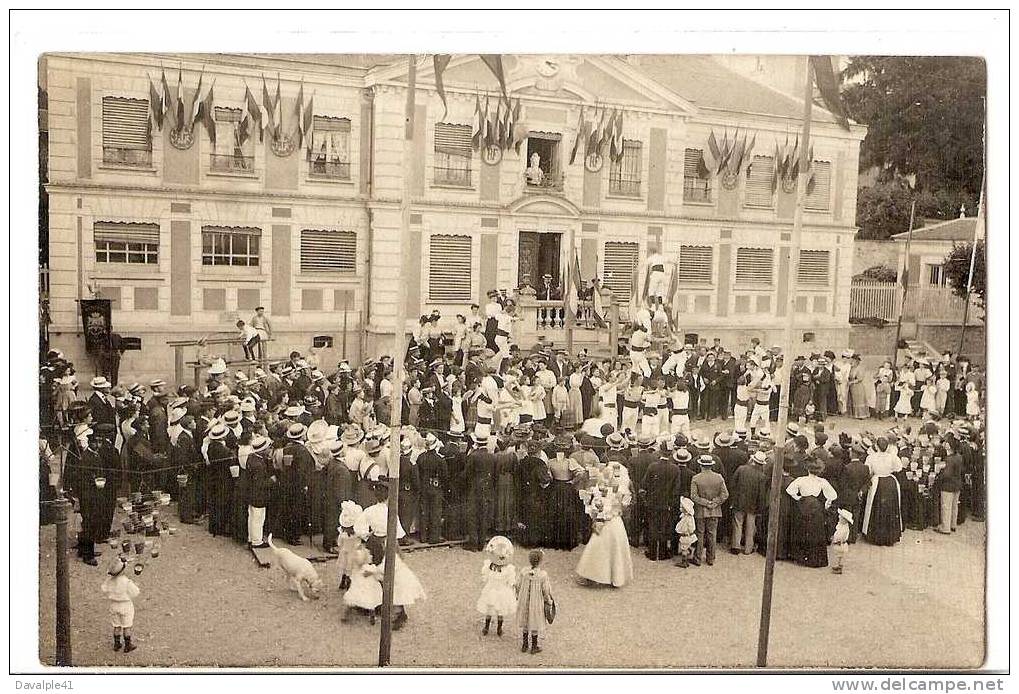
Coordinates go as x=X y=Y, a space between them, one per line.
x=924 y=304
x=871 y=299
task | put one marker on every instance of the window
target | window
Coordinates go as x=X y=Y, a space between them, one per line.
x=696 y=178
x=126 y=243
x=329 y=156
x=548 y=174
x=813 y=269
x=818 y=194
x=452 y=154
x=328 y=251
x=620 y=261
x=761 y=181
x=236 y=246
x=127 y=135
x=754 y=266
x=449 y=269
x=695 y=264
x=235 y=149
x=624 y=175
x=936 y=276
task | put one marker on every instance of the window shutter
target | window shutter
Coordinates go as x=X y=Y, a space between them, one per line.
x=453 y=139
x=813 y=268
x=760 y=179
x=818 y=198
x=449 y=269
x=328 y=251
x=754 y=266
x=330 y=124
x=695 y=264
x=125 y=232
x=692 y=163
x=227 y=115
x=620 y=260
x=126 y=123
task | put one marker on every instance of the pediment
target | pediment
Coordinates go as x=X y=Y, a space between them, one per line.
x=591 y=79
x=543 y=206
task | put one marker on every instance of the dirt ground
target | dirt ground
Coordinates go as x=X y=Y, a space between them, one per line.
x=205 y=602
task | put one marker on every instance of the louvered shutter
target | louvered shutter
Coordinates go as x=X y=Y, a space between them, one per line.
x=754 y=266
x=328 y=251
x=759 y=181
x=449 y=269
x=126 y=123
x=330 y=124
x=813 y=269
x=620 y=259
x=696 y=179
x=126 y=232
x=453 y=139
x=818 y=198
x=695 y=264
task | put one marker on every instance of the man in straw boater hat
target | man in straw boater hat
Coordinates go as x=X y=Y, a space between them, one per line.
x=480 y=476
x=100 y=403
x=658 y=492
x=259 y=470
x=748 y=499
x=708 y=492
x=434 y=476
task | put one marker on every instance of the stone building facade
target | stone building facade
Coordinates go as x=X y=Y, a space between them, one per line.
x=186 y=240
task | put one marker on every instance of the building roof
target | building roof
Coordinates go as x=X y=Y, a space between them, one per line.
x=960 y=229
x=709 y=84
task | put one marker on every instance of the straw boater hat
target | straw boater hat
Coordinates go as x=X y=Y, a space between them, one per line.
x=699 y=441
x=232 y=417
x=296 y=431
x=335 y=448
x=372 y=446
x=682 y=456
x=157 y=384
x=479 y=440
x=760 y=458
x=218 y=431
x=616 y=441
x=705 y=460
x=318 y=431
x=247 y=405
x=792 y=429
x=259 y=444
x=723 y=439
x=311 y=401
x=176 y=414
x=294 y=410
x=100 y=383
x=217 y=367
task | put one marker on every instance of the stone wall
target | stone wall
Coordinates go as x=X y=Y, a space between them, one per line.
x=946 y=338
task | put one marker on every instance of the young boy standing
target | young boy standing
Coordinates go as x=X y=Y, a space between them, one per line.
x=121 y=592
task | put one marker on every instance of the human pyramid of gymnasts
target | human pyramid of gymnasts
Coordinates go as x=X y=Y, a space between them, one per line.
x=548 y=449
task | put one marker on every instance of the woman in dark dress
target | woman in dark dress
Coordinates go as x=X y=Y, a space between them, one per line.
x=533 y=494
x=783 y=550
x=808 y=528
x=566 y=524
x=455 y=506
x=882 y=516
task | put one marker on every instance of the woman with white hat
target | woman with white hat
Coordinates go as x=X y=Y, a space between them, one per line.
x=221 y=458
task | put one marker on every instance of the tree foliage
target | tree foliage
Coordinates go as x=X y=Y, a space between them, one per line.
x=957 y=270
x=925 y=118
x=883 y=210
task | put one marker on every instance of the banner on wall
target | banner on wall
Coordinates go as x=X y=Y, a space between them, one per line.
x=95 y=323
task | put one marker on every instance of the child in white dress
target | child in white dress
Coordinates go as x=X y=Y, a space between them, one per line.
x=498 y=596
x=904 y=405
x=121 y=592
x=972 y=400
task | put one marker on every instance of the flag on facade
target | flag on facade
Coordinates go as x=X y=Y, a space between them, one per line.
x=309 y=120
x=486 y=130
x=611 y=135
x=494 y=63
x=206 y=113
x=618 y=137
x=577 y=282
x=479 y=124
x=593 y=138
x=519 y=129
x=243 y=130
x=507 y=129
x=254 y=112
x=180 y=98
x=270 y=108
x=580 y=133
x=196 y=100
x=278 y=108
x=713 y=155
x=828 y=85
x=439 y=63
x=155 y=105
x=168 y=115
x=603 y=130
x=299 y=114
x=495 y=129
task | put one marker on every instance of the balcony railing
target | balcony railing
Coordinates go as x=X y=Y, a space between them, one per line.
x=127 y=156
x=618 y=186
x=445 y=176
x=230 y=163
x=339 y=170
x=696 y=190
x=548 y=181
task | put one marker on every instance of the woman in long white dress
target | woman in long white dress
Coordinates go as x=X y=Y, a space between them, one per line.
x=606 y=558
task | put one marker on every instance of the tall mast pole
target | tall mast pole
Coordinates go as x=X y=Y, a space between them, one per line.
x=905 y=289
x=787 y=348
x=399 y=357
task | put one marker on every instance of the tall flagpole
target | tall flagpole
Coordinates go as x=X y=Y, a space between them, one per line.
x=399 y=357
x=972 y=262
x=905 y=289
x=787 y=349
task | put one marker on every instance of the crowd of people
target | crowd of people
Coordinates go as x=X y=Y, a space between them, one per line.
x=549 y=449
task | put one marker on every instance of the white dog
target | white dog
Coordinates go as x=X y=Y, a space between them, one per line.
x=301 y=575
